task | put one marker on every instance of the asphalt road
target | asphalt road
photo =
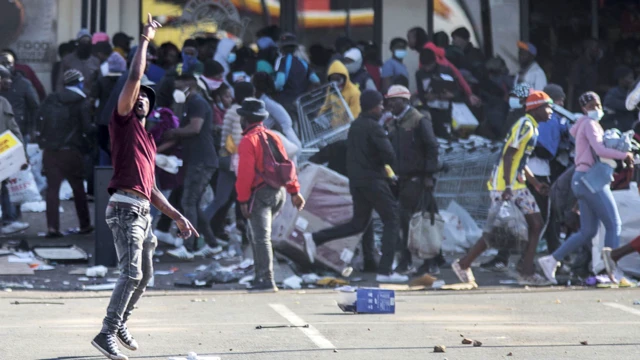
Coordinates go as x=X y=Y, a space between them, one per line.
x=529 y=324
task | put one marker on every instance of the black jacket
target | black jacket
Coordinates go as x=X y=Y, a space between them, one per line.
x=368 y=150
x=24 y=100
x=102 y=90
x=415 y=145
x=79 y=123
x=334 y=155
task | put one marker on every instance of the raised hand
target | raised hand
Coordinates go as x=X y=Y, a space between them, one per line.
x=150 y=28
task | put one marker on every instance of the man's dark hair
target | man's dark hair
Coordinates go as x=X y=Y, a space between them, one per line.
x=461 y=32
x=264 y=83
x=200 y=41
x=272 y=31
x=212 y=68
x=427 y=56
x=441 y=39
x=401 y=80
x=397 y=41
x=421 y=36
x=243 y=90
x=121 y=40
x=187 y=77
x=103 y=47
x=190 y=43
x=344 y=43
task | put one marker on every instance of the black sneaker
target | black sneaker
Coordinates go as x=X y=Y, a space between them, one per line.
x=495 y=265
x=125 y=338
x=106 y=344
x=263 y=287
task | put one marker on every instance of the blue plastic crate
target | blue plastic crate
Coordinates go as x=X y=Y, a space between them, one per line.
x=375 y=301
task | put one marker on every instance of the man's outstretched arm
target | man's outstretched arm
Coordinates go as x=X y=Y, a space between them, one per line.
x=129 y=93
x=160 y=202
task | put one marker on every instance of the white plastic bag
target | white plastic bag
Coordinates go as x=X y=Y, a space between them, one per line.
x=22 y=187
x=425 y=237
x=454 y=237
x=507 y=227
x=35 y=161
x=472 y=231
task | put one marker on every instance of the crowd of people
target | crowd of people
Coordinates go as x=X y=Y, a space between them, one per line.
x=211 y=95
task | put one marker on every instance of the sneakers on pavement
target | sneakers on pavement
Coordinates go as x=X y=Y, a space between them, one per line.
x=125 y=338
x=167 y=238
x=181 y=253
x=549 y=265
x=392 y=278
x=14 y=227
x=533 y=280
x=495 y=265
x=207 y=251
x=106 y=344
x=310 y=247
x=264 y=287
x=465 y=275
x=609 y=264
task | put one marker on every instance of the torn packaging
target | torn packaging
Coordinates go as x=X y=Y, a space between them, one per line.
x=328 y=204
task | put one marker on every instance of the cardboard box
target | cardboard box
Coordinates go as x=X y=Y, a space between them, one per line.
x=328 y=204
x=12 y=155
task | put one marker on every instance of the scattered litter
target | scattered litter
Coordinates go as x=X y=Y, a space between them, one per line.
x=35 y=303
x=292 y=282
x=42 y=234
x=108 y=286
x=43 y=267
x=439 y=349
x=636 y=302
x=65 y=283
x=97 y=271
x=558 y=301
x=246 y=281
x=166 y=272
x=460 y=286
x=508 y=282
x=424 y=280
x=83 y=278
x=78 y=271
x=198 y=300
x=201 y=268
x=216 y=273
x=310 y=278
x=14 y=285
x=199 y=283
x=467 y=341
x=438 y=284
x=510 y=354
x=114 y=280
x=476 y=343
x=331 y=281
x=62 y=254
x=366 y=300
x=9 y=268
x=584 y=342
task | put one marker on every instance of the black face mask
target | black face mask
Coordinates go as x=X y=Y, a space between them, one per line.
x=83 y=51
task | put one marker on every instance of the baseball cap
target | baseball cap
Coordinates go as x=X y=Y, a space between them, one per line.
x=536 y=99
x=528 y=47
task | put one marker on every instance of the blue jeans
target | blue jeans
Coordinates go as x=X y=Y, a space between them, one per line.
x=135 y=244
x=594 y=208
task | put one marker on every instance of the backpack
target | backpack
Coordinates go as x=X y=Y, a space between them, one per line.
x=278 y=171
x=52 y=119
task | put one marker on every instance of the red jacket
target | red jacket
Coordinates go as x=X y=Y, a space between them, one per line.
x=442 y=60
x=251 y=163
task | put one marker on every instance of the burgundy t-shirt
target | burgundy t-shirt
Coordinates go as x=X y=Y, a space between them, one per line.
x=133 y=155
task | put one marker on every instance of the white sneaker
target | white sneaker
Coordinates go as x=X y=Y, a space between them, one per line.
x=549 y=265
x=14 y=227
x=609 y=265
x=310 y=247
x=393 y=278
x=207 y=251
x=167 y=238
x=181 y=253
x=346 y=272
x=465 y=275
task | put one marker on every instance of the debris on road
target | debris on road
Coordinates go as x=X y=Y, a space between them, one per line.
x=460 y=286
x=439 y=349
x=510 y=354
x=35 y=303
x=477 y=343
x=100 y=287
x=97 y=271
x=193 y=356
x=425 y=280
x=466 y=341
x=260 y=327
x=292 y=282
x=636 y=302
x=165 y=272
x=331 y=281
x=366 y=300
x=584 y=342
x=14 y=285
x=69 y=254
x=310 y=278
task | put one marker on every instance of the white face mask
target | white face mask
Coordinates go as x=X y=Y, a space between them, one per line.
x=595 y=114
x=515 y=103
x=179 y=96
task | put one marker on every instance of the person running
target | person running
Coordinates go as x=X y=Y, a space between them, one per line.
x=596 y=205
x=508 y=182
x=132 y=189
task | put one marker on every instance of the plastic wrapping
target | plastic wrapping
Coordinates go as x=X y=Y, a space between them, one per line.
x=507 y=227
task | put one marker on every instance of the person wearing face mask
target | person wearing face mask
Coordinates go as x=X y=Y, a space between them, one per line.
x=190 y=63
x=530 y=72
x=596 y=204
x=357 y=72
x=517 y=98
x=21 y=95
x=617 y=116
x=226 y=55
x=394 y=66
x=368 y=151
x=339 y=75
x=201 y=162
x=81 y=60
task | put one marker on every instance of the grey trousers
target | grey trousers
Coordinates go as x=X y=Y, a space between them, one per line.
x=135 y=245
x=266 y=204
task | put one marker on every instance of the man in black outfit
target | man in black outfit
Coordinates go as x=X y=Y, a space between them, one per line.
x=368 y=151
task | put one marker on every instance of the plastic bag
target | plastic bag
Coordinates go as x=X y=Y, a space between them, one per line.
x=454 y=235
x=472 y=231
x=35 y=161
x=22 y=187
x=507 y=227
x=426 y=229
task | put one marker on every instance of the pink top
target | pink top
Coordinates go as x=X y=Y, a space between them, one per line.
x=588 y=134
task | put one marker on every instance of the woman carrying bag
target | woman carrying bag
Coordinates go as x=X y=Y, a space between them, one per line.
x=591 y=185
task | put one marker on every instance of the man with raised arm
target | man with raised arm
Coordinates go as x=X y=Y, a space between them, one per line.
x=132 y=190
